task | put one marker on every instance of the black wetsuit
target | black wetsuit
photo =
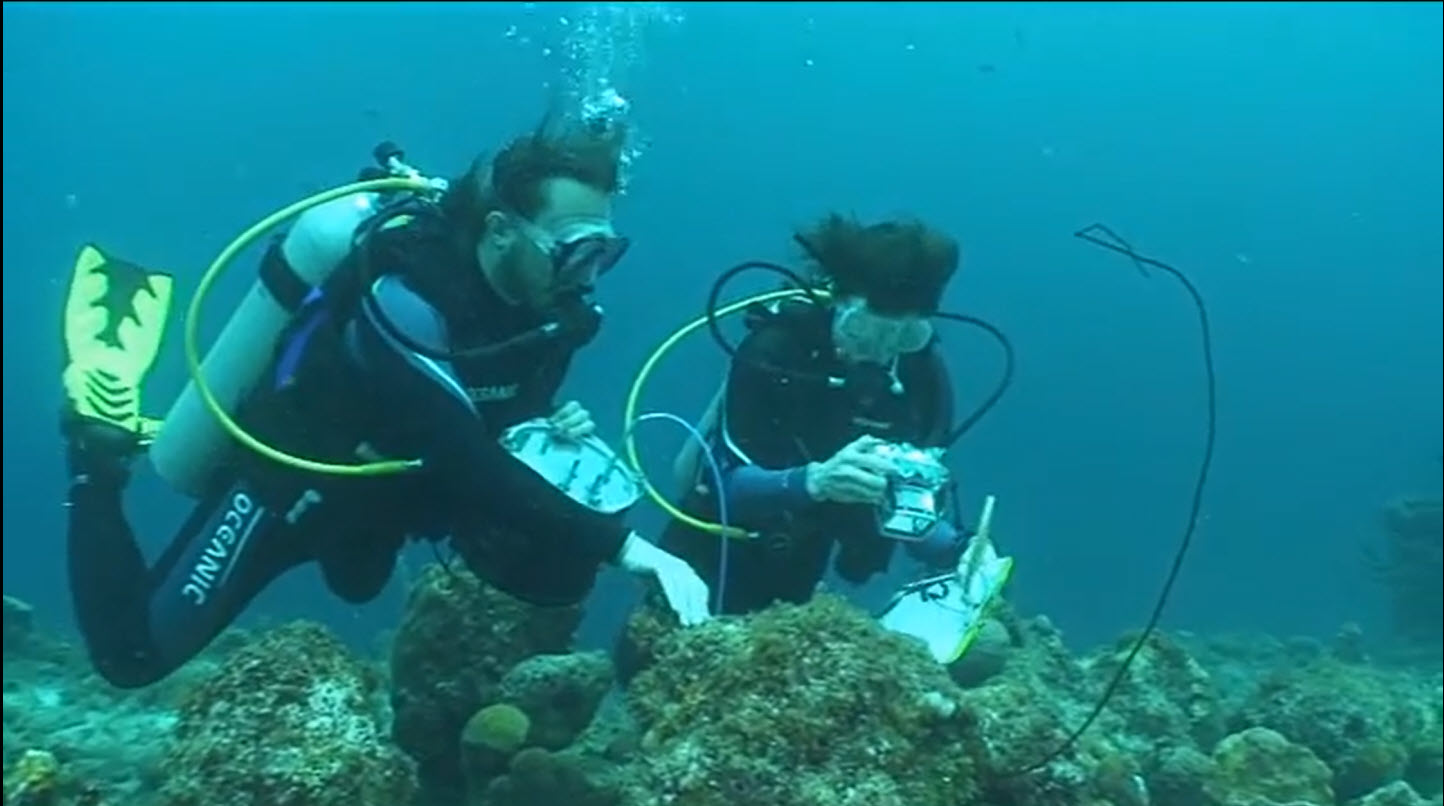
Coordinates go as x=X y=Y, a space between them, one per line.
x=340 y=382
x=774 y=426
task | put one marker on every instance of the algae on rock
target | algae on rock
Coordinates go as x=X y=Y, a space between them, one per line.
x=458 y=639
x=290 y=720
x=1259 y=767
x=1370 y=725
x=798 y=706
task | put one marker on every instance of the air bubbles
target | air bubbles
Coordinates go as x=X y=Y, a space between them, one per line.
x=601 y=49
x=598 y=48
x=604 y=109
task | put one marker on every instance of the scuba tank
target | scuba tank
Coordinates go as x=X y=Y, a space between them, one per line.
x=192 y=444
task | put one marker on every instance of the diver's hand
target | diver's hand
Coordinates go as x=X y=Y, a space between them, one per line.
x=854 y=475
x=572 y=421
x=685 y=591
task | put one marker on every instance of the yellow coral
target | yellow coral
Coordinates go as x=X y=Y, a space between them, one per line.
x=502 y=727
x=33 y=778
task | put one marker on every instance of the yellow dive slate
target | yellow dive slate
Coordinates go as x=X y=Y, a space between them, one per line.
x=947 y=611
x=115 y=314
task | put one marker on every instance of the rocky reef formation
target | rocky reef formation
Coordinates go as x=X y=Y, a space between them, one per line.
x=286 y=717
x=1260 y=765
x=291 y=719
x=1371 y=726
x=560 y=694
x=73 y=737
x=458 y=639
x=593 y=771
x=807 y=705
x=1172 y=734
x=799 y=706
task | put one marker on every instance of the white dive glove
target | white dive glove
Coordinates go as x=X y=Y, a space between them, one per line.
x=685 y=591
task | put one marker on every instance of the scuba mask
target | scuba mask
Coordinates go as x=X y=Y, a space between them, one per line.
x=863 y=334
x=582 y=251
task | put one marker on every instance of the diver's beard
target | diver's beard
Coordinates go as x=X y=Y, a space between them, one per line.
x=508 y=280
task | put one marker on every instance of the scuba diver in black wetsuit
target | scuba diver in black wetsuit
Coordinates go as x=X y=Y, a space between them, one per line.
x=774 y=504
x=826 y=443
x=815 y=397
x=422 y=329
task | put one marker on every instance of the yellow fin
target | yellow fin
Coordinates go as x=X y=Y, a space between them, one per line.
x=115 y=316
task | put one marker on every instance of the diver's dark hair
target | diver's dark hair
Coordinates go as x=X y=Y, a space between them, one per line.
x=512 y=181
x=898 y=266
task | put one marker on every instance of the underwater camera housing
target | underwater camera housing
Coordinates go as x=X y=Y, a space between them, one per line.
x=912 y=505
x=586 y=469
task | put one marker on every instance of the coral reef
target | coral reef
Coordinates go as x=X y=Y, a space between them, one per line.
x=1395 y=794
x=33 y=780
x=1167 y=696
x=986 y=657
x=458 y=639
x=540 y=776
x=105 y=740
x=250 y=717
x=489 y=740
x=289 y=720
x=1370 y=725
x=560 y=693
x=592 y=771
x=19 y=624
x=1179 y=777
x=797 y=706
x=1160 y=741
x=499 y=727
x=1259 y=765
x=1023 y=717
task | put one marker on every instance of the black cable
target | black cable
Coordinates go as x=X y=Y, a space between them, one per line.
x=1122 y=247
x=797 y=282
x=716 y=330
x=1002 y=387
